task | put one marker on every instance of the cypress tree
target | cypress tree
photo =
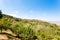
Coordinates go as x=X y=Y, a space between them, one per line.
x=0 y=14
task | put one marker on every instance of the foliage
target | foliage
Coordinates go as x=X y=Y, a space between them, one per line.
x=30 y=29
x=0 y=14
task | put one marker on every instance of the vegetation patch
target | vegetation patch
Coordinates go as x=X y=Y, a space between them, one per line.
x=26 y=29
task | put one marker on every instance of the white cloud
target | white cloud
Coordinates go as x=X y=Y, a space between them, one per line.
x=26 y=15
x=13 y=13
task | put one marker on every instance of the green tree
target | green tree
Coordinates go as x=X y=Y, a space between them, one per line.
x=0 y=14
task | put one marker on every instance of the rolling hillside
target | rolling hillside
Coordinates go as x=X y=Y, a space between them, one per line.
x=26 y=29
x=56 y=22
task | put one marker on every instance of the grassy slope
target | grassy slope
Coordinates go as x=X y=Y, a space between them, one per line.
x=30 y=29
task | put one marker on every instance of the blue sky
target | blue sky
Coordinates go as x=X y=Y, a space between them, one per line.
x=47 y=10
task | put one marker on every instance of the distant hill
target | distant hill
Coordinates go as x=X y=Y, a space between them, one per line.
x=26 y=29
x=56 y=22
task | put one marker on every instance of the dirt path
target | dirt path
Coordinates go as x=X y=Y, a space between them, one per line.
x=4 y=34
x=3 y=37
x=7 y=34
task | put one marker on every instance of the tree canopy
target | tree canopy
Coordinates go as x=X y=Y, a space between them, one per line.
x=0 y=14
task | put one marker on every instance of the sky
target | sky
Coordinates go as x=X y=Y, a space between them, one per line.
x=47 y=10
